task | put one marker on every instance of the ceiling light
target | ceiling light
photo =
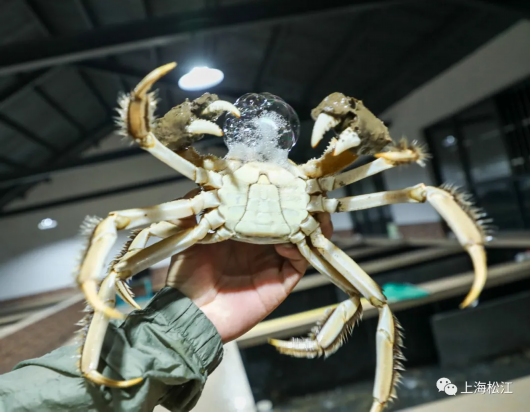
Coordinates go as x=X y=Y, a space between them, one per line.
x=200 y=78
x=47 y=223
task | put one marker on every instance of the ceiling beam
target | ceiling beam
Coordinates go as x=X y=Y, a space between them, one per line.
x=354 y=37
x=12 y=163
x=25 y=84
x=277 y=34
x=37 y=20
x=95 y=92
x=156 y=32
x=88 y=14
x=28 y=134
x=59 y=109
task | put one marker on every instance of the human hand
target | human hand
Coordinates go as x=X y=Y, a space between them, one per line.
x=238 y=284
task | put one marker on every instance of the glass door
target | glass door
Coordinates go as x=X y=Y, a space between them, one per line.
x=470 y=151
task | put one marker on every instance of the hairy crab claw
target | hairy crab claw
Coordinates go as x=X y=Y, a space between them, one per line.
x=357 y=127
x=181 y=126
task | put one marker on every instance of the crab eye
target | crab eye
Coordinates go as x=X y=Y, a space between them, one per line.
x=263 y=116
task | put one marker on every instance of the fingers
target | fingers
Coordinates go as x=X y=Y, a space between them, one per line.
x=288 y=251
x=295 y=259
x=291 y=252
x=325 y=224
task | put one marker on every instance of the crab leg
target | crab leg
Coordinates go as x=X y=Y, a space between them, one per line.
x=103 y=235
x=388 y=337
x=348 y=268
x=138 y=242
x=124 y=269
x=329 y=334
x=325 y=268
x=456 y=211
x=136 y=112
x=388 y=352
x=128 y=266
x=94 y=339
x=402 y=155
x=330 y=183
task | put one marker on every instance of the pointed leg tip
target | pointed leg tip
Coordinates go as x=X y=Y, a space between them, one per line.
x=468 y=301
x=167 y=68
x=114 y=314
x=99 y=379
x=130 y=382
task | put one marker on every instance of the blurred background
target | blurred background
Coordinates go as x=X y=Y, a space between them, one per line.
x=452 y=74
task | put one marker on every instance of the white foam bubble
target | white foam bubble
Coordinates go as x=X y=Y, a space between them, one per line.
x=257 y=140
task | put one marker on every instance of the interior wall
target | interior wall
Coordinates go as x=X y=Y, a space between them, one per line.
x=497 y=65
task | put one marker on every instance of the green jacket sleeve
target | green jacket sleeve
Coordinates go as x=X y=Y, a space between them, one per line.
x=170 y=343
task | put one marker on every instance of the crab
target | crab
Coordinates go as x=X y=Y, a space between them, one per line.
x=257 y=195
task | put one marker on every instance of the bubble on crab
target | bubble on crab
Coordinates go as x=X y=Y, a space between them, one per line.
x=267 y=129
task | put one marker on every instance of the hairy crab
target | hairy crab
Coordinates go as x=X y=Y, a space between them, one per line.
x=257 y=195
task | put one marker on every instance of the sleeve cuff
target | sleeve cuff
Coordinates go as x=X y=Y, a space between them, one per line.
x=184 y=318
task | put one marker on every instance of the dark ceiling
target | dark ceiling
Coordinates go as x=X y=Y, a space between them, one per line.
x=63 y=62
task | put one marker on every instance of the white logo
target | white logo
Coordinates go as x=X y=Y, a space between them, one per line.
x=445 y=385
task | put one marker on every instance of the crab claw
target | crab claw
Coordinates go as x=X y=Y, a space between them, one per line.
x=220 y=106
x=323 y=123
x=357 y=127
x=147 y=82
x=136 y=107
x=460 y=218
x=347 y=139
x=201 y=126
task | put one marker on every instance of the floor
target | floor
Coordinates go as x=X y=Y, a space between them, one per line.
x=418 y=391
x=517 y=401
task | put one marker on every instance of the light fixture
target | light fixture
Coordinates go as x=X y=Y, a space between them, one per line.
x=47 y=223
x=449 y=141
x=200 y=78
